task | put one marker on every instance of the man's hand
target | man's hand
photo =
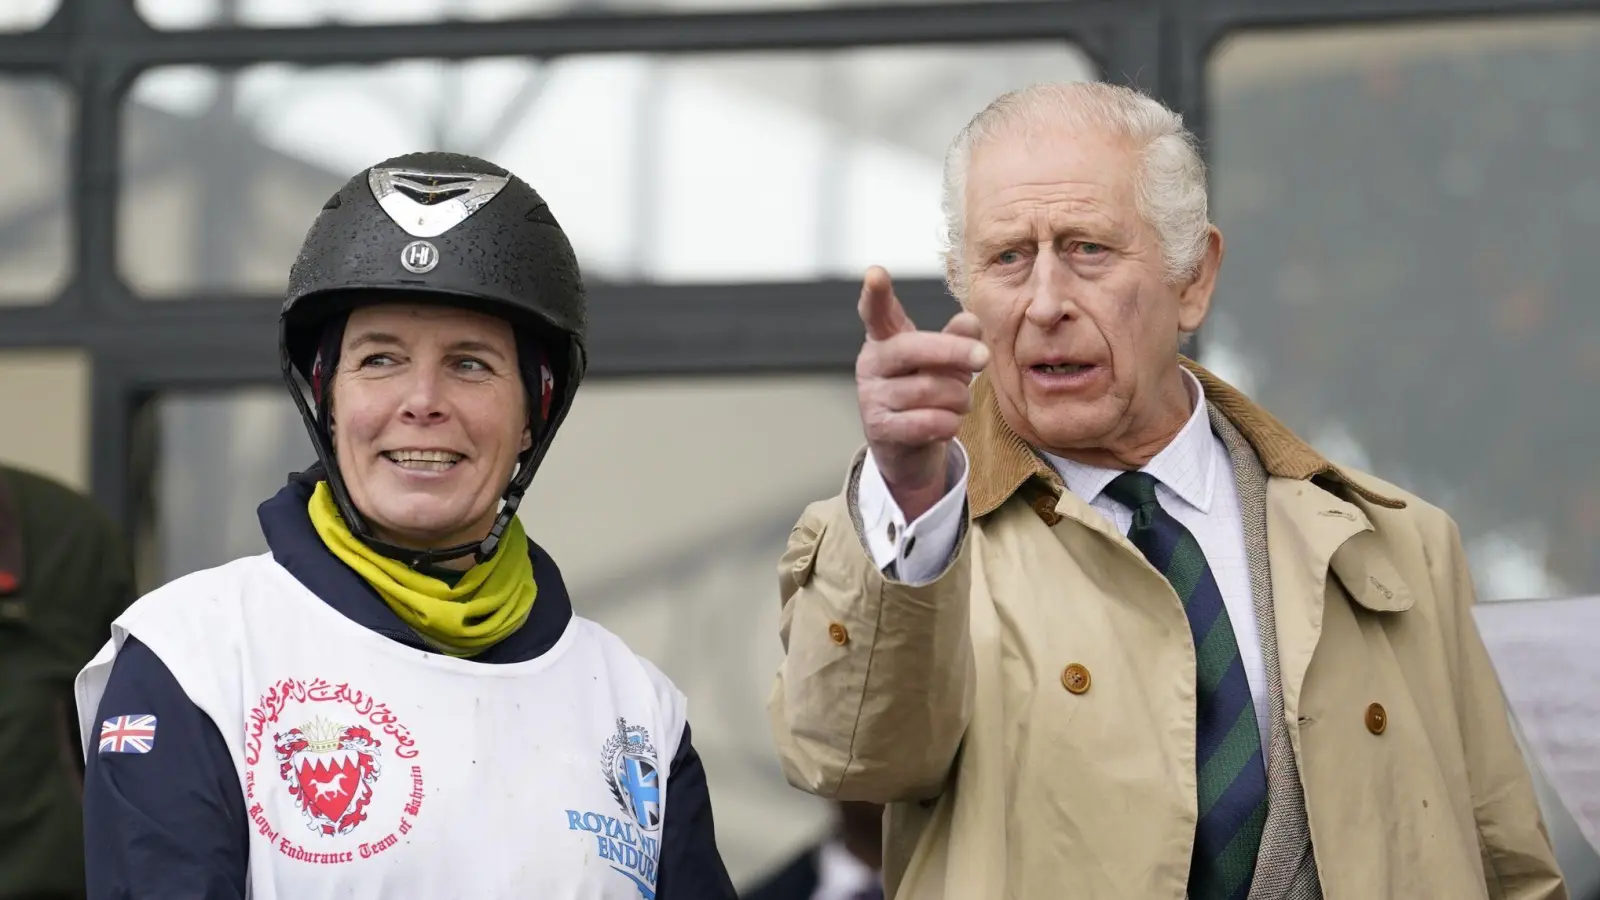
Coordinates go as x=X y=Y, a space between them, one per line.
x=913 y=389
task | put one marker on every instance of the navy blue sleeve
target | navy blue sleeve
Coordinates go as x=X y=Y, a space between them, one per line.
x=168 y=823
x=690 y=867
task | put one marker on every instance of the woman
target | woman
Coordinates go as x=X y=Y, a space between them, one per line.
x=397 y=701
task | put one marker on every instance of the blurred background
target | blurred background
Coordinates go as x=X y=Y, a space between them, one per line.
x=1408 y=189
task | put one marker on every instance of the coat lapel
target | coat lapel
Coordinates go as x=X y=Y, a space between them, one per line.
x=1307 y=526
x=1285 y=865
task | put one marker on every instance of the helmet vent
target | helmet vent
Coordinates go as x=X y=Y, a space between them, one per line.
x=431 y=197
x=427 y=204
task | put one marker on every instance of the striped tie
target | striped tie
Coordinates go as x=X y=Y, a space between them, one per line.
x=1232 y=775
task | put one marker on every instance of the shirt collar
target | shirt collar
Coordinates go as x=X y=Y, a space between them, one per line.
x=1186 y=465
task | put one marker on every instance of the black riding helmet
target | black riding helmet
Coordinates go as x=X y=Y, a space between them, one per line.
x=444 y=228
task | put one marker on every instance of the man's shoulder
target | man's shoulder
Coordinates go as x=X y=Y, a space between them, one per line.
x=1417 y=529
x=1413 y=508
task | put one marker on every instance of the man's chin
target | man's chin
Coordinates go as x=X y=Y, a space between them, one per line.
x=1079 y=427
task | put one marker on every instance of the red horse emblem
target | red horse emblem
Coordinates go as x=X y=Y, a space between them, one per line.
x=330 y=769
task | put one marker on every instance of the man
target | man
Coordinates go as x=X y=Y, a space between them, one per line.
x=63 y=578
x=1099 y=623
x=845 y=866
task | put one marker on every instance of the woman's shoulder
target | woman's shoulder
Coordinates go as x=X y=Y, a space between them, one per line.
x=618 y=654
x=215 y=588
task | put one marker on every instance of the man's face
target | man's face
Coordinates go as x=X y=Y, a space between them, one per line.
x=1069 y=284
x=1067 y=279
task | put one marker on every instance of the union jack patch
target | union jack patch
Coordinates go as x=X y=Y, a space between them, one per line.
x=128 y=734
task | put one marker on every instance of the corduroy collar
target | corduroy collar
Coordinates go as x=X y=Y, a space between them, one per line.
x=1002 y=463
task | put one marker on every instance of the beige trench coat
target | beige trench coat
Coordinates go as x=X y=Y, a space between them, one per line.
x=1029 y=718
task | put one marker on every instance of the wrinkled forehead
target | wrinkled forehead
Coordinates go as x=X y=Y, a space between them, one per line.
x=1061 y=169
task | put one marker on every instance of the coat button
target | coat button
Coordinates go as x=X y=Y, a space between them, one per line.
x=1075 y=678
x=1377 y=719
x=1045 y=506
x=838 y=634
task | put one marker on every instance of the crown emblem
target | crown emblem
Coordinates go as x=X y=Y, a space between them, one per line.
x=321 y=735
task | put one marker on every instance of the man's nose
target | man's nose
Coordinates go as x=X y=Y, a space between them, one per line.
x=1050 y=290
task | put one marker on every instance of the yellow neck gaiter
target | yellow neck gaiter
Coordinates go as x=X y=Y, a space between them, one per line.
x=488 y=604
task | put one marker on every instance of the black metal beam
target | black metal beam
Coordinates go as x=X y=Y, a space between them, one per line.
x=1297 y=13
x=634 y=330
x=1087 y=21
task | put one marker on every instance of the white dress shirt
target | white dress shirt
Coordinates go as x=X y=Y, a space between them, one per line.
x=840 y=876
x=1195 y=484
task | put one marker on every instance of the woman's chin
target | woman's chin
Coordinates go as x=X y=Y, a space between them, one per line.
x=416 y=532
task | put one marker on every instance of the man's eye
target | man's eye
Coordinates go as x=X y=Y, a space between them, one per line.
x=1007 y=257
x=1091 y=248
x=377 y=359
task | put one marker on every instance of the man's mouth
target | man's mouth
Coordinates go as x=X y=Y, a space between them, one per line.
x=423 y=460
x=1063 y=368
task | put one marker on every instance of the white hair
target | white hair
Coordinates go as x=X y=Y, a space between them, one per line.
x=1169 y=188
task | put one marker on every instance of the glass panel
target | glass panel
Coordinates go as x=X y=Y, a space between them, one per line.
x=184 y=14
x=25 y=15
x=667 y=535
x=34 y=253
x=657 y=166
x=49 y=391
x=1412 y=214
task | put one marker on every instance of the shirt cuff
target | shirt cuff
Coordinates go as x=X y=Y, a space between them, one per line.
x=918 y=551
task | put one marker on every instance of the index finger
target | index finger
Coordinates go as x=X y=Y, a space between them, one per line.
x=880 y=309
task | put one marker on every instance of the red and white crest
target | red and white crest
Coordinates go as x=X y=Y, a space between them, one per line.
x=330 y=768
x=547 y=391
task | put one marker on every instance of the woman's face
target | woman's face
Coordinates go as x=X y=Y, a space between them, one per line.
x=428 y=417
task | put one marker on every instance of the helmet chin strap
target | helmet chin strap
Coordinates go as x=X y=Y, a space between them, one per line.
x=478 y=550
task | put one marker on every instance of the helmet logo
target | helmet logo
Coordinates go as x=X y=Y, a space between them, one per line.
x=419 y=257
x=427 y=204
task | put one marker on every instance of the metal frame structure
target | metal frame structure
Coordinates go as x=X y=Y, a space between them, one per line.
x=96 y=48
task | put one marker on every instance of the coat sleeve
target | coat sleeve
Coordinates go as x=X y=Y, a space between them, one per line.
x=169 y=822
x=691 y=868
x=876 y=686
x=1518 y=859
